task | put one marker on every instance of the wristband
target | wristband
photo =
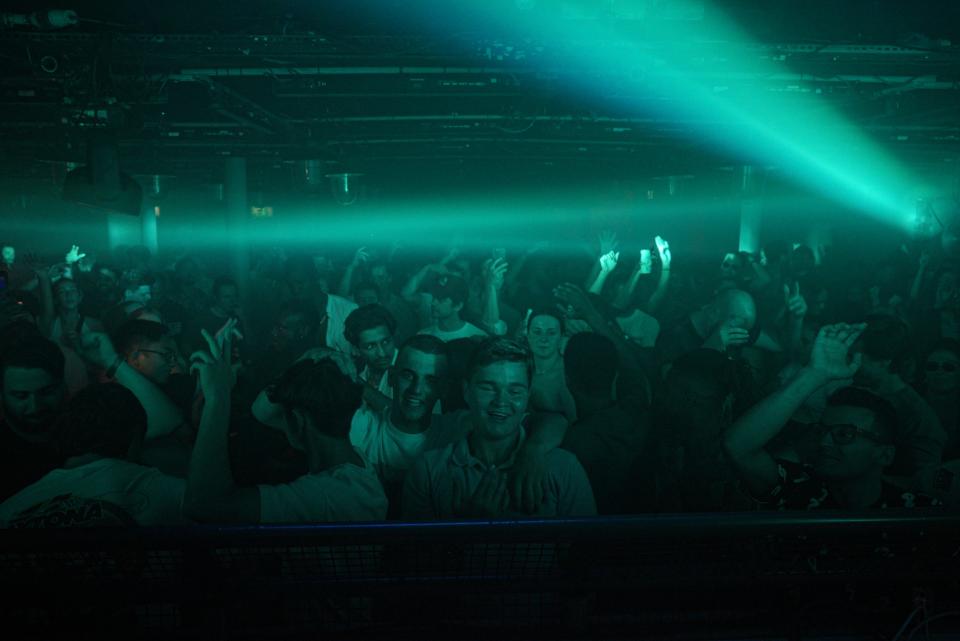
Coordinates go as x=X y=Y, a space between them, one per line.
x=112 y=370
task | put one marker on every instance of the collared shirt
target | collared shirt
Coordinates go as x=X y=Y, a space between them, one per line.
x=429 y=489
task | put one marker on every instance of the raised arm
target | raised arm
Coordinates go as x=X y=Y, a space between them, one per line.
x=746 y=440
x=494 y=271
x=663 y=284
x=163 y=416
x=211 y=494
x=346 y=283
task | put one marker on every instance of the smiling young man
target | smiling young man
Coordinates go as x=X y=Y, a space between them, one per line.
x=856 y=434
x=470 y=477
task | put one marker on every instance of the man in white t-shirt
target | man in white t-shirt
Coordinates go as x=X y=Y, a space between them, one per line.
x=448 y=298
x=100 y=432
x=471 y=477
x=316 y=400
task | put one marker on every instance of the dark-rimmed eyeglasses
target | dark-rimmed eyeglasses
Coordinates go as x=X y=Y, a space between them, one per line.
x=843 y=434
x=168 y=355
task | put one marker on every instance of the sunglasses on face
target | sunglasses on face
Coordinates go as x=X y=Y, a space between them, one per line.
x=846 y=434
x=934 y=366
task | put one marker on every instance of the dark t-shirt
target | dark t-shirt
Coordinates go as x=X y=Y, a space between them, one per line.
x=611 y=445
x=22 y=463
x=799 y=489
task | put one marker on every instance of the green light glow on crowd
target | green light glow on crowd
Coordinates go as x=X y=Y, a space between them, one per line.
x=684 y=70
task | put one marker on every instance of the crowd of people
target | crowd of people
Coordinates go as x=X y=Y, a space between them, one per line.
x=476 y=384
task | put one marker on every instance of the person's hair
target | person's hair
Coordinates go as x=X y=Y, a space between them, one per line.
x=323 y=392
x=886 y=338
x=134 y=333
x=104 y=419
x=220 y=283
x=301 y=308
x=884 y=414
x=591 y=362
x=365 y=318
x=34 y=352
x=945 y=345
x=546 y=311
x=361 y=285
x=63 y=281
x=427 y=344
x=453 y=287
x=497 y=349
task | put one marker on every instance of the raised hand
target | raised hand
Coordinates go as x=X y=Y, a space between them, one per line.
x=215 y=366
x=489 y=500
x=608 y=261
x=494 y=272
x=645 y=265
x=663 y=248
x=360 y=257
x=575 y=299
x=831 y=351
x=608 y=242
x=341 y=360
x=73 y=255
x=796 y=304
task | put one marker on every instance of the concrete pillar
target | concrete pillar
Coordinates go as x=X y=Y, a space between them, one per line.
x=237 y=220
x=148 y=228
x=751 y=209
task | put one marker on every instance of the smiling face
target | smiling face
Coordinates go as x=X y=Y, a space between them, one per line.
x=497 y=395
x=848 y=461
x=544 y=336
x=417 y=382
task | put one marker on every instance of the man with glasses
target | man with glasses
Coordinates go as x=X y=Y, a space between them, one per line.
x=855 y=438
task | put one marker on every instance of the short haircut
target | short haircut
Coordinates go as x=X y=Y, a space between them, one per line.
x=323 y=392
x=34 y=352
x=886 y=337
x=366 y=318
x=220 y=283
x=65 y=281
x=427 y=344
x=590 y=363
x=134 y=333
x=495 y=350
x=104 y=419
x=301 y=308
x=885 y=421
x=453 y=287
x=545 y=311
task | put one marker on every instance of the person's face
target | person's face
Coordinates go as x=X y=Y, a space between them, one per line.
x=544 y=336
x=288 y=331
x=366 y=296
x=417 y=380
x=156 y=360
x=9 y=255
x=31 y=399
x=376 y=347
x=228 y=298
x=380 y=277
x=741 y=314
x=730 y=266
x=497 y=396
x=68 y=296
x=691 y=408
x=942 y=372
x=834 y=461
x=444 y=308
